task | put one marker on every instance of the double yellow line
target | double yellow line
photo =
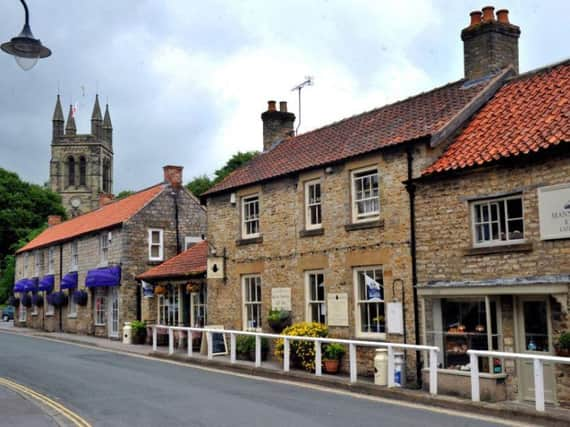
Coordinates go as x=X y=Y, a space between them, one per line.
x=62 y=410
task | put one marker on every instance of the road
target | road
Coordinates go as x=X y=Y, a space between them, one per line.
x=111 y=389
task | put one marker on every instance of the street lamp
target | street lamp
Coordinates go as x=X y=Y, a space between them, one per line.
x=25 y=48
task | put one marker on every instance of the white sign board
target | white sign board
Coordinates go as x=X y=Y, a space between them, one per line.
x=337 y=309
x=215 y=268
x=395 y=318
x=554 y=211
x=281 y=299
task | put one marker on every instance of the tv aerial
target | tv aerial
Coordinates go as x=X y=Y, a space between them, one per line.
x=309 y=81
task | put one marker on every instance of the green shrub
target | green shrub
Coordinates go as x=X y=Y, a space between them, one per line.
x=138 y=326
x=277 y=315
x=302 y=352
x=246 y=344
x=564 y=340
x=333 y=351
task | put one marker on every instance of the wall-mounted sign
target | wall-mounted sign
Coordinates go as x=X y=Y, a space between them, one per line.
x=215 y=267
x=337 y=305
x=281 y=299
x=554 y=211
x=395 y=318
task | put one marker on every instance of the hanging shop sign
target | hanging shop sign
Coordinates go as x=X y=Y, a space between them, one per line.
x=554 y=211
x=281 y=299
x=215 y=267
x=395 y=318
x=337 y=309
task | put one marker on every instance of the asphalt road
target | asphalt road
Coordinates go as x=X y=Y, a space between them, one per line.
x=114 y=389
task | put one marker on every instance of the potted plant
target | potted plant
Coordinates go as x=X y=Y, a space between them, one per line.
x=26 y=300
x=139 y=331
x=279 y=320
x=38 y=300
x=563 y=348
x=333 y=352
x=80 y=297
x=245 y=347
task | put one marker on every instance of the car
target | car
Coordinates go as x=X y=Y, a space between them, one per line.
x=8 y=313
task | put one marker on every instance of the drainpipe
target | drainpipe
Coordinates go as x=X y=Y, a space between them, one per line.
x=411 y=188
x=177 y=221
x=60 y=277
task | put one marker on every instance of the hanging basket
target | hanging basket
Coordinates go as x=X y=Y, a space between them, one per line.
x=14 y=301
x=38 y=300
x=192 y=287
x=159 y=290
x=58 y=299
x=26 y=300
x=80 y=297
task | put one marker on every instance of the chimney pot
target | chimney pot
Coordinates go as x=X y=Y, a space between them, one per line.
x=105 y=199
x=173 y=175
x=503 y=16
x=271 y=105
x=488 y=14
x=53 y=220
x=283 y=106
x=475 y=17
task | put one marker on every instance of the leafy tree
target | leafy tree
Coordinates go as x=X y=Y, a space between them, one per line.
x=123 y=194
x=199 y=185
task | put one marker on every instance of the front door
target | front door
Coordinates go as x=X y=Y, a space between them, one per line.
x=535 y=338
x=114 y=312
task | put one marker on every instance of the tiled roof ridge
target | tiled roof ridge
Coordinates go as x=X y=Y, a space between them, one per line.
x=537 y=71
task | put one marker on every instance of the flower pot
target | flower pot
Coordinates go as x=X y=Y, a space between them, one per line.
x=139 y=337
x=331 y=366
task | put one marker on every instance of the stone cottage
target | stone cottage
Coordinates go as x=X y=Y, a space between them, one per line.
x=79 y=275
x=319 y=224
x=493 y=239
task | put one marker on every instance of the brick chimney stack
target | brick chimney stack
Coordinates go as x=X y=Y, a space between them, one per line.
x=105 y=199
x=277 y=125
x=53 y=220
x=173 y=176
x=489 y=44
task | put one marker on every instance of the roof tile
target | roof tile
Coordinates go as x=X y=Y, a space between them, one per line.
x=190 y=262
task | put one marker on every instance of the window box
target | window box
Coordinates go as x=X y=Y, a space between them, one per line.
x=249 y=241
x=311 y=233
x=379 y=223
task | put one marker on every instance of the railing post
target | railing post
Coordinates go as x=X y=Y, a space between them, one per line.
x=189 y=339
x=318 y=359
x=170 y=341
x=154 y=338
x=257 y=351
x=539 y=384
x=232 y=348
x=391 y=370
x=433 y=371
x=210 y=345
x=474 y=364
x=286 y=354
x=352 y=357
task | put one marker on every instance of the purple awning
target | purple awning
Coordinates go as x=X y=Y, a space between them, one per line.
x=19 y=285
x=69 y=281
x=46 y=284
x=109 y=276
x=30 y=285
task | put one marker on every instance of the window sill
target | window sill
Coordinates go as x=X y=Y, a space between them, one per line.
x=380 y=336
x=151 y=262
x=312 y=232
x=72 y=316
x=50 y=314
x=378 y=223
x=499 y=249
x=100 y=325
x=249 y=241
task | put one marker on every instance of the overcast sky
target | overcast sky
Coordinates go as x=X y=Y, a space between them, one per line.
x=187 y=80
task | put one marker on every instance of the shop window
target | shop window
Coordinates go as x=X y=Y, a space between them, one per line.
x=252 y=302
x=316 y=307
x=198 y=301
x=498 y=221
x=169 y=306
x=370 y=314
x=365 y=195
x=23 y=313
x=100 y=306
x=313 y=207
x=536 y=325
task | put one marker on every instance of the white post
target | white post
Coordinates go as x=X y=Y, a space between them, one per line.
x=154 y=338
x=433 y=371
x=352 y=356
x=189 y=338
x=170 y=341
x=257 y=351
x=210 y=345
x=232 y=348
x=318 y=359
x=474 y=364
x=391 y=370
x=286 y=354
x=539 y=384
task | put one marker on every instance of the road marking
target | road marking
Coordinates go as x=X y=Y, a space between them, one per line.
x=62 y=410
x=326 y=389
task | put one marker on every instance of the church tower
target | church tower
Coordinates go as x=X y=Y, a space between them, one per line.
x=81 y=166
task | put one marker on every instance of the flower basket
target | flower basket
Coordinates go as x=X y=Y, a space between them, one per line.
x=302 y=352
x=38 y=300
x=333 y=352
x=26 y=300
x=14 y=301
x=58 y=299
x=139 y=331
x=279 y=320
x=80 y=297
x=159 y=290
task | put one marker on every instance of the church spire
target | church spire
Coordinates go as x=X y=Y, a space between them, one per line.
x=96 y=119
x=70 y=128
x=57 y=119
x=107 y=125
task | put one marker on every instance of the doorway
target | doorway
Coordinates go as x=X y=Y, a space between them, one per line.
x=114 y=312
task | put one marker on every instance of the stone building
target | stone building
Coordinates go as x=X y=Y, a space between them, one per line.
x=92 y=260
x=81 y=166
x=319 y=223
x=493 y=240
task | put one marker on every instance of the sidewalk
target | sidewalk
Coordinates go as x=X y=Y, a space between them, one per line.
x=522 y=412
x=18 y=411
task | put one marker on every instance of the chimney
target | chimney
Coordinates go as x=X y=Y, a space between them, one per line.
x=54 y=220
x=105 y=199
x=277 y=125
x=489 y=44
x=173 y=176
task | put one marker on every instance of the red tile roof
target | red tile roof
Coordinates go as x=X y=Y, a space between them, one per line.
x=188 y=263
x=528 y=114
x=112 y=214
x=419 y=116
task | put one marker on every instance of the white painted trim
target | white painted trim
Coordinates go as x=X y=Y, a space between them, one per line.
x=308 y=295
x=160 y=256
x=307 y=184
x=357 y=320
x=243 y=200
x=353 y=201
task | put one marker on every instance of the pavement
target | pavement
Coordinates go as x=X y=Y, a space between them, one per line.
x=18 y=411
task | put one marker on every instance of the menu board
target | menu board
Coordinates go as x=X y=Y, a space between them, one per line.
x=281 y=299
x=337 y=305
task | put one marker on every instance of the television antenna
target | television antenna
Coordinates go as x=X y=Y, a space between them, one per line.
x=309 y=81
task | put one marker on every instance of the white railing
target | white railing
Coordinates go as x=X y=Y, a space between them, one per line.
x=538 y=364
x=352 y=344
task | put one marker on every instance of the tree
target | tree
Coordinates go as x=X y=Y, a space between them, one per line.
x=123 y=194
x=199 y=185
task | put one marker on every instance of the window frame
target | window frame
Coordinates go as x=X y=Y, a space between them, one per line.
x=104 y=248
x=26 y=262
x=366 y=171
x=168 y=317
x=357 y=302
x=310 y=302
x=37 y=263
x=51 y=260
x=71 y=306
x=160 y=244
x=258 y=302
x=308 y=205
x=488 y=202
x=22 y=313
x=245 y=221
x=100 y=294
x=190 y=241
x=50 y=309
x=74 y=255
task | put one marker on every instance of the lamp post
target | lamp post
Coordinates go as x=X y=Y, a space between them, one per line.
x=26 y=49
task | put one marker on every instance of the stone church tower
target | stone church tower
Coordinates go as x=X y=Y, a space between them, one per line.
x=81 y=166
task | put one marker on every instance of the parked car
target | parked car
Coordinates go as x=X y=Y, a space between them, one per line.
x=8 y=313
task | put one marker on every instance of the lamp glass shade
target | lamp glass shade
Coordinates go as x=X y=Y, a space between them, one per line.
x=26 y=63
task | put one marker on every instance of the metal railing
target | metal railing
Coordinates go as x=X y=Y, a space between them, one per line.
x=352 y=345
x=538 y=368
